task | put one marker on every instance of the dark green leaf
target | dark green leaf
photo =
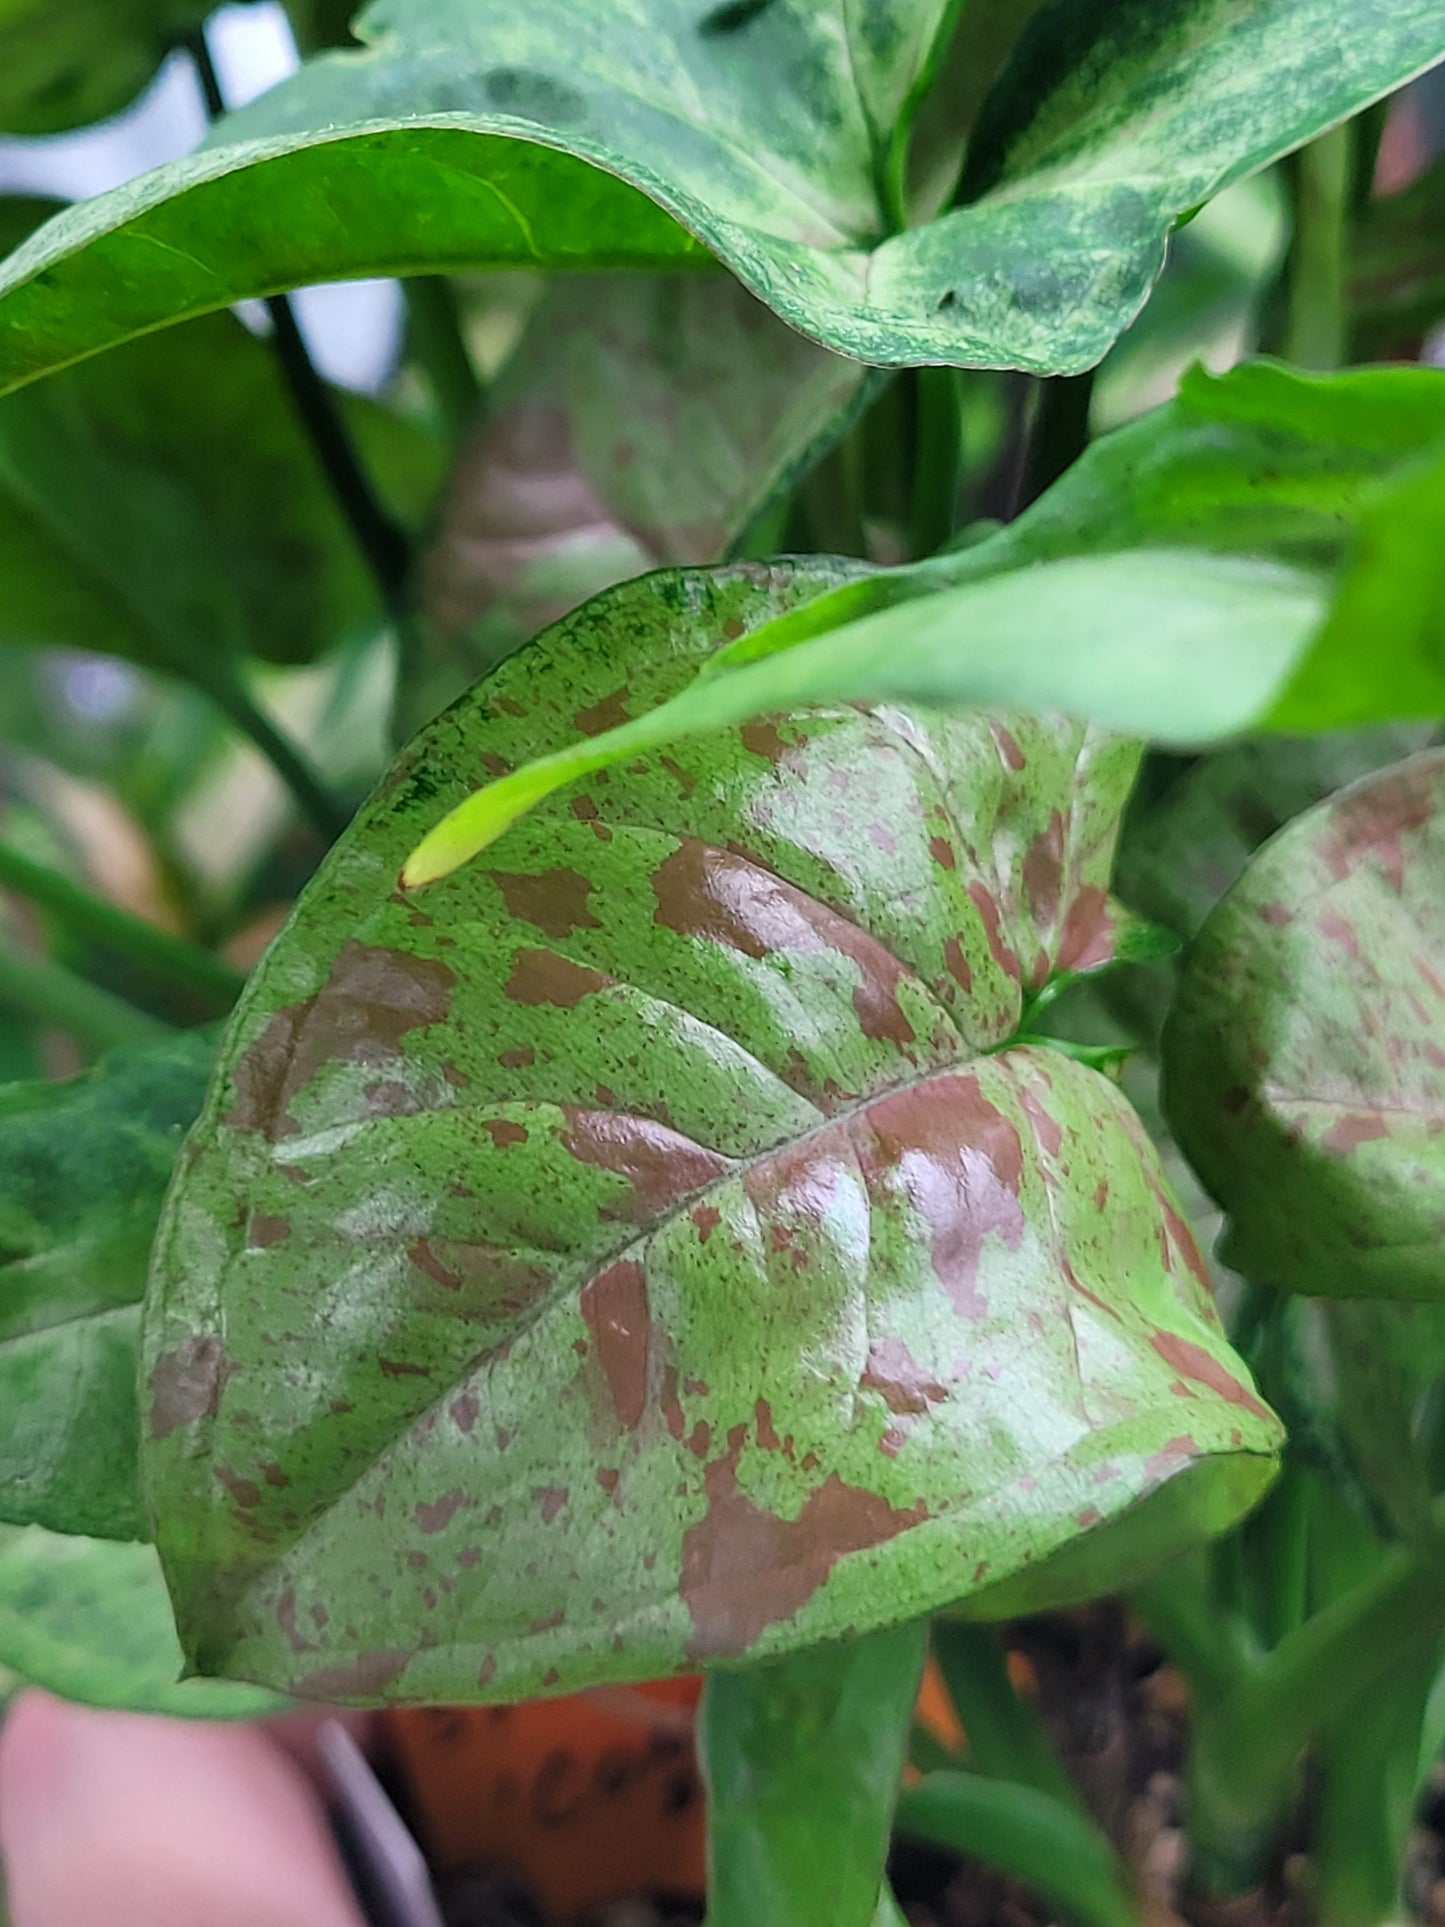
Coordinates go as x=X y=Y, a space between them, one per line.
x=640 y=1251
x=560 y=136
x=90 y=1620
x=83 y=1168
x=1254 y=554
x=64 y=63
x=166 y=506
x=1303 y=1062
x=803 y=1762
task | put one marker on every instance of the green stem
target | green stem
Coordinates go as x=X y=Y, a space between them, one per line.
x=313 y=795
x=938 y=457
x=1059 y=433
x=1209 y=1646
x=46 y=991
x=1315 y=328
x=434 y=335
x=170 y=957
x=1022 y=1832
x=1007 y=1739
x=1367 y=1799
x=1247 y=1744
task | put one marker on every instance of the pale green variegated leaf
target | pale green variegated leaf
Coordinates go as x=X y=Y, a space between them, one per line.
x=90 y=1620
x=803 y=1761
x=644 y=419
x=165 y=505
x=1305 y=1078
x=83 y=1168
x=656 y=1247
x=1254 y=554
x=66 y=62
x=556 y=135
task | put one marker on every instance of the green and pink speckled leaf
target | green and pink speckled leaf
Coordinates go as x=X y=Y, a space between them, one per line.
x=1305 y=1057
x=651 y=1246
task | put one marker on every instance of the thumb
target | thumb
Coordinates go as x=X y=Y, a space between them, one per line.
x=125 y=1820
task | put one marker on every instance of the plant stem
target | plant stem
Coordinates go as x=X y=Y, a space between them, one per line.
x=313 y=795
x=435 y=336
x=1247 y=1743
x=933 y=512
x=1058 y=434
x=1006 y=1736
x=1315 y=328
x=50 y=994
x=1367 y=1798
x=382 y=543
x=1208 y=1644
x=170 y=957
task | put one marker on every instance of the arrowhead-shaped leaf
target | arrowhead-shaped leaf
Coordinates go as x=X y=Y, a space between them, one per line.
x=555 y=134
x=83 y=1168
x=1305 y=1075
x=653 y=1247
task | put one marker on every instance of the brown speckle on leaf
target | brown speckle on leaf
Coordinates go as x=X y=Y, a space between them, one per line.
x=186 y=1384
x=372 y=999
x=614 y=1308
x=545 y=977
x=745 y=1569
x=552 y=901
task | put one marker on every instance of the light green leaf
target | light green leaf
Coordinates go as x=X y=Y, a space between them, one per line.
x=1303 y=1069
x=561 y=136
x=803 y=1762
x=83 y=1168
x=166 y=506
x=64 y=63
x=656 y=1247
x=1234 y=560
x=89 y=1619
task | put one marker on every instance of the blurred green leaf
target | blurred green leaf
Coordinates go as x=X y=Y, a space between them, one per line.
x=89 y=1619
x=1303 y=1073
x=166 y=506
x=64 y=63
x=803 y=1762
x=644 y=419
x=83 y=1168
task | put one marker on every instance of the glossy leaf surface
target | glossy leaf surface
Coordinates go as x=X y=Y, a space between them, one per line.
x=83 y=1168
x=1248 y=556
x=165 y=506
x=638 y=1251
x=803 y=1761
x=90 y=1620
x=558 y=135
x=64 y=63
x=1305 y=1077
